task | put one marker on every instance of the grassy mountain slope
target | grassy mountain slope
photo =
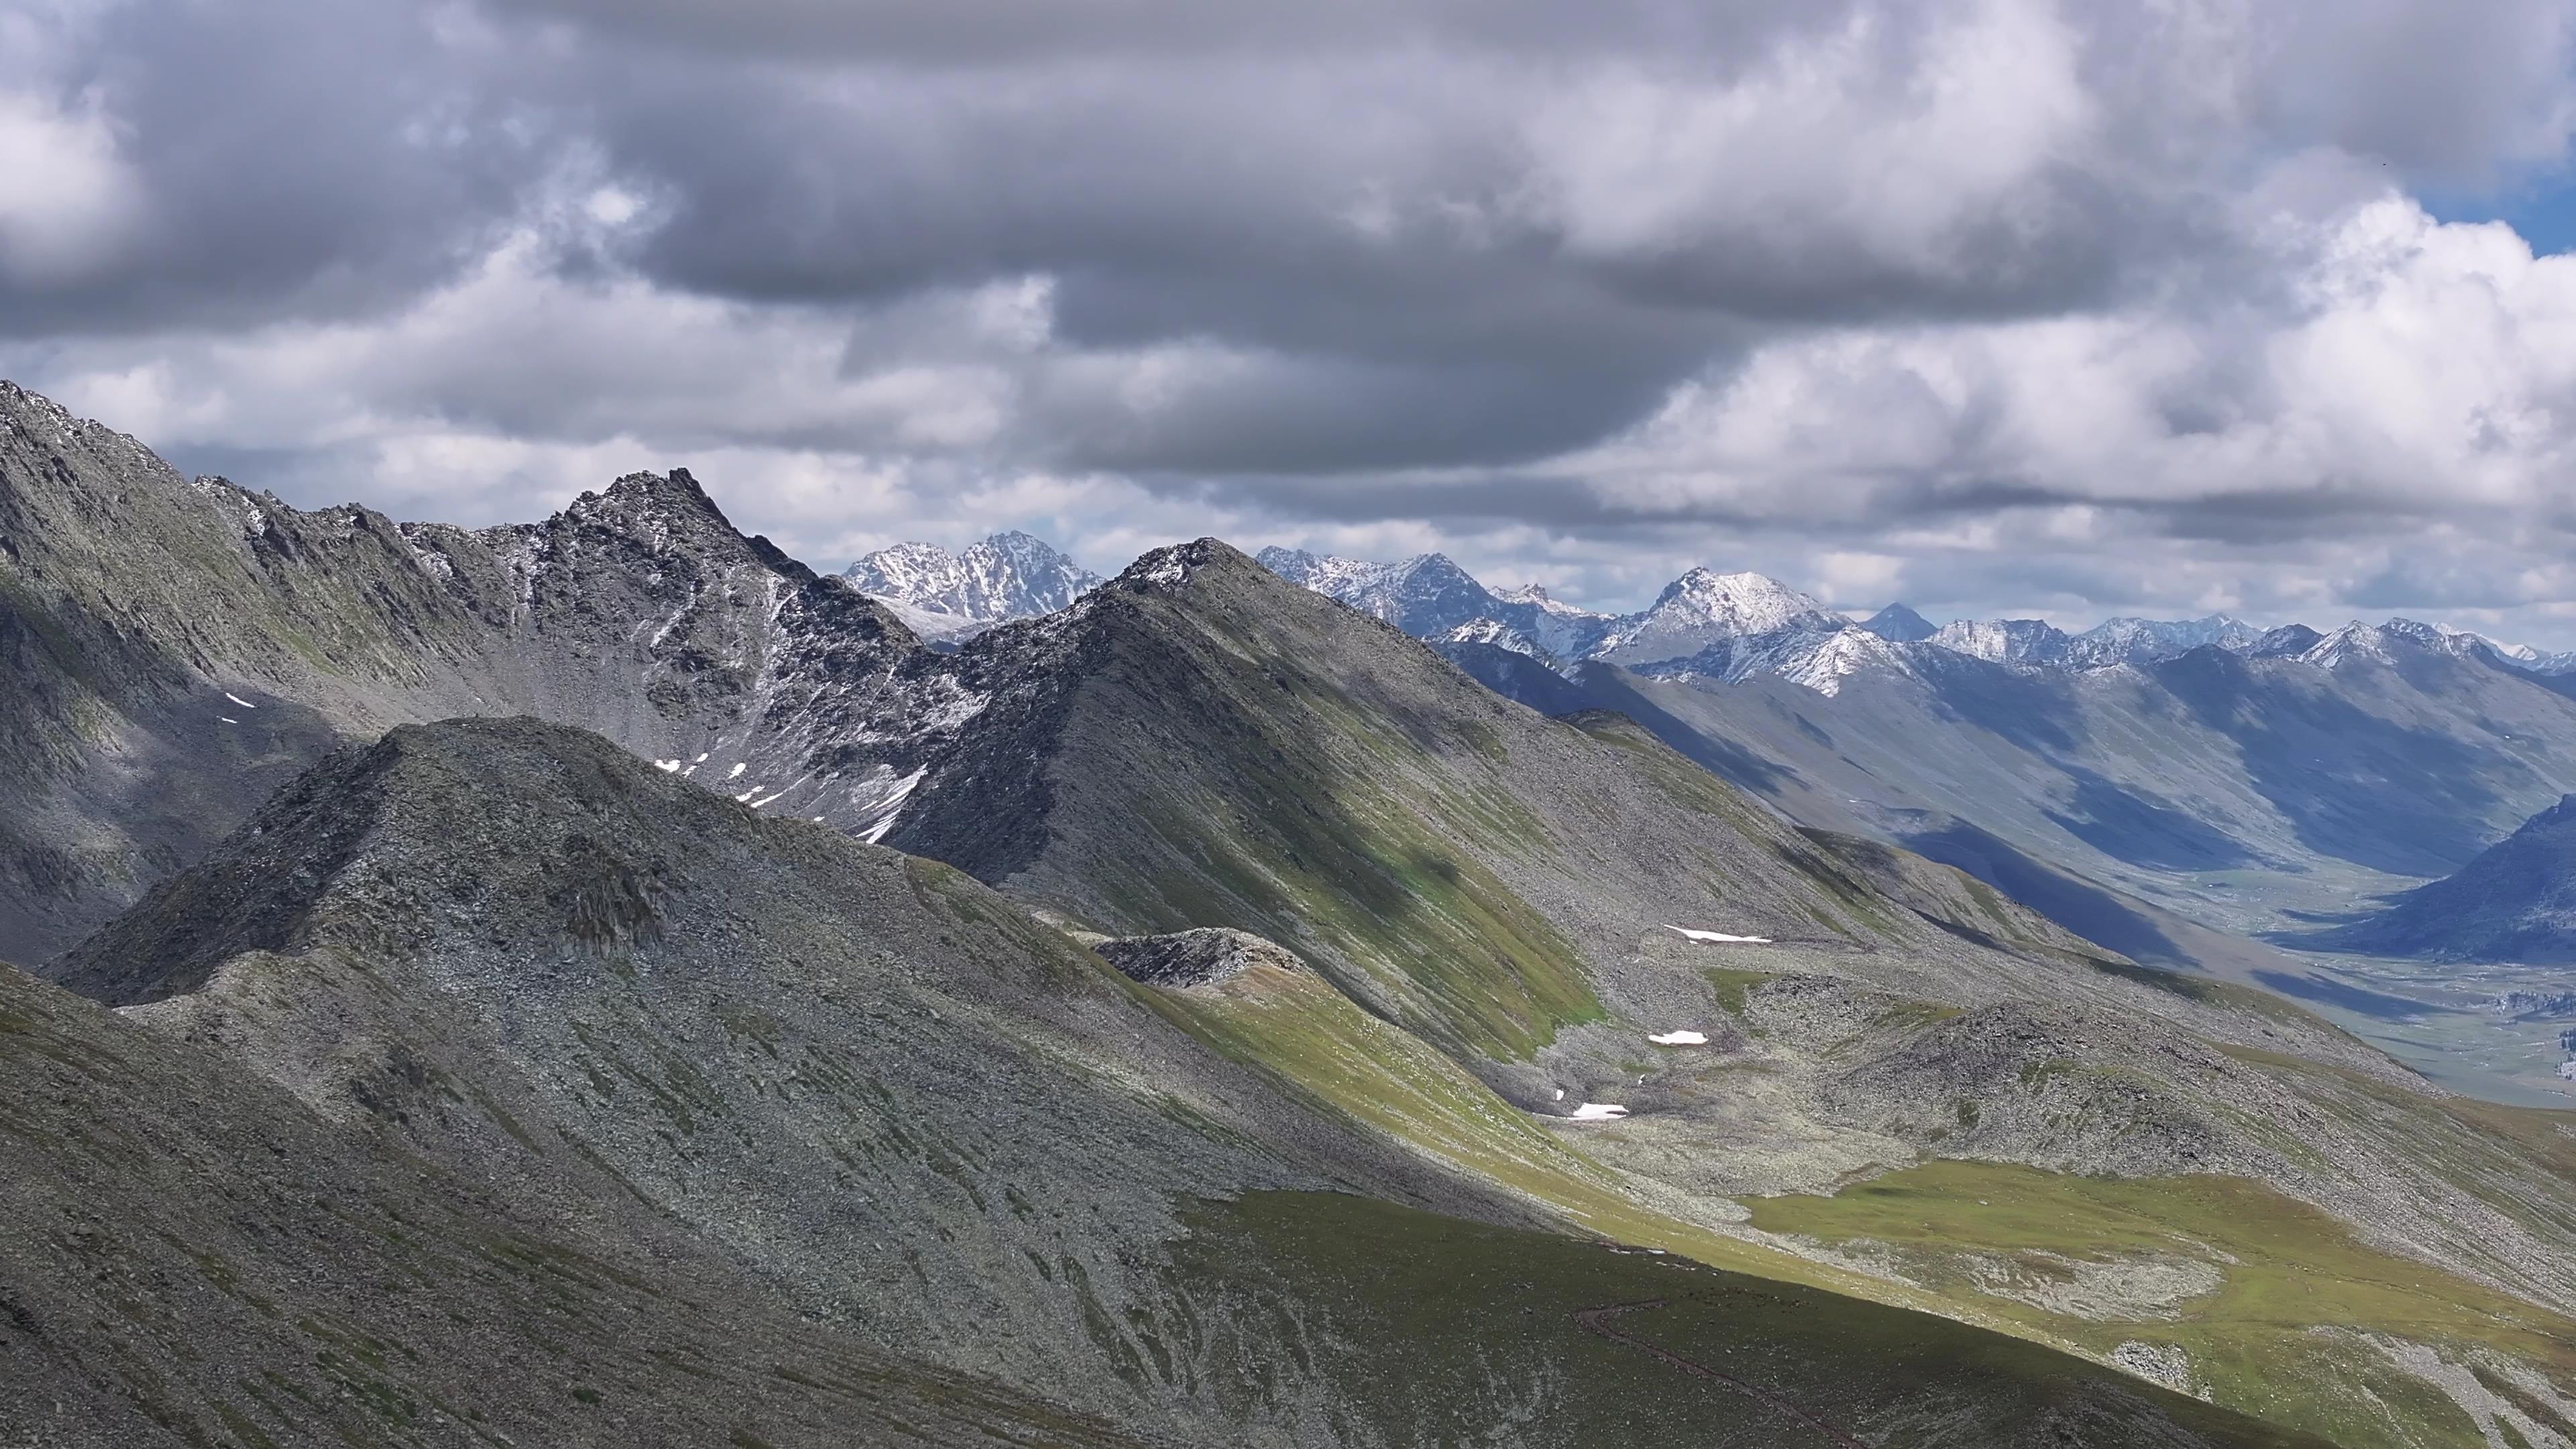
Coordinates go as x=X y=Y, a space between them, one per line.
x=830 y=1080
x=191 y=1256
x=595 y=986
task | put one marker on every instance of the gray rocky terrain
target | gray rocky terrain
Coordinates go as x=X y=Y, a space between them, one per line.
x=1389 y=967
x=636 y=1114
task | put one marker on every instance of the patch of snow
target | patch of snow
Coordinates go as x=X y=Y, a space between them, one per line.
x=745 y=797
x=933 y=626
x=764 y=803
x=1498 y=634
x=892 y=806
x=1599 y=1112
x=701 y=759
x=962 y=704
x=1720 y=936
x=736 y=770
x=666 y=766
x=1680 y=1038
x=1823 y=662
x=237 y=699
x=1560 y=1094
x=228 y=719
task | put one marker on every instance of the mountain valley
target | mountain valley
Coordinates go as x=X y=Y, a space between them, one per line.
x=703 y=1006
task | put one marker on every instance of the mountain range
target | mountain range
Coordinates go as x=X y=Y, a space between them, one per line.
x=947 y=598
x=600 y=979
x=2100 y=776
x=1728 y=625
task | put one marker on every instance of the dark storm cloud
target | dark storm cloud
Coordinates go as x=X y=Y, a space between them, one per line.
x=290 y=158
x=1986 y=288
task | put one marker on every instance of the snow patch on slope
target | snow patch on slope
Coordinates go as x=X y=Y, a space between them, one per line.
x=1720 y=936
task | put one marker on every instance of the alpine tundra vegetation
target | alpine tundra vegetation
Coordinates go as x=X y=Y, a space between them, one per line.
x=601 y=980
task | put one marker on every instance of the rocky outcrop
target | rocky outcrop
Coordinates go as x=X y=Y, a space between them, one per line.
x=1204 y=957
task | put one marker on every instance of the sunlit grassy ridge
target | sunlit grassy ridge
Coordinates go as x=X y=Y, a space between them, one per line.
x=2282 y=1334
x=1507 y=1328
x=2278 y=1334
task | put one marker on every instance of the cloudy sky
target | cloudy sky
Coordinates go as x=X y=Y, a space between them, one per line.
x=1996 y=306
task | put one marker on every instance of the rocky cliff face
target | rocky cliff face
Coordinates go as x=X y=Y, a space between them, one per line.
x=181 y=648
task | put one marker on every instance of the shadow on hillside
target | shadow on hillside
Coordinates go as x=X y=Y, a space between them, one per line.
x=2327 y=991
x=2087 y=910
x=2138 y=827
x=2352 y=784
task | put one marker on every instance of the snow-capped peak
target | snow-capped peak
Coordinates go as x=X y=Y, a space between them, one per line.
x=1823 y=662
x=1538 y=598
x=2355 y=640
x=2004 y=641
x=1704 y=608
x=1007 y=576
x=1746 y=603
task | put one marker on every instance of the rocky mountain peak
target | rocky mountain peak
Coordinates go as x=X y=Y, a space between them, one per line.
x=1010 y=575
x=1898 y=624
x=668 y=513
x=1166 y=569
x=1705 y=609
x=2004 y=641
x=378 y=846
x=1205 y=957
x=1749 y=603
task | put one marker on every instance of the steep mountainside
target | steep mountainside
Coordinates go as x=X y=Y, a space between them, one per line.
x=2515 y=902
x=174 y=650
x=609 y=1076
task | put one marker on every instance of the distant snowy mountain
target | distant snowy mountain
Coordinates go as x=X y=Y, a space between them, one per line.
x=2005 y=641
x=2142 y=641
x=1731 y=627
x=1422 y=596
x=2386 y=643
x=948 y=596
x=1704 y=624
x=2286 y=642
x=1559 y=628
x=1704 y=609
x=1898 y=624
x=1429 y=596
